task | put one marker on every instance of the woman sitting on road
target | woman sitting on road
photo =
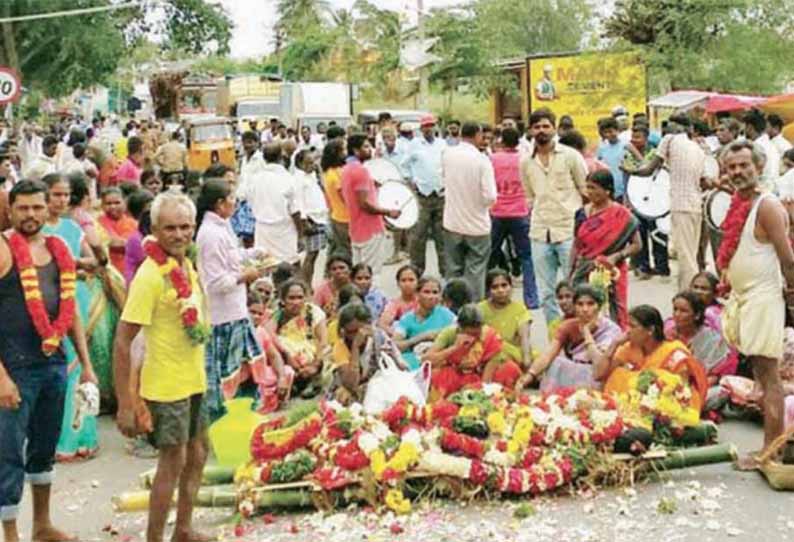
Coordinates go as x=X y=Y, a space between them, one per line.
x=355 y=356
x=564 y=294
x=423 y=324
x=644 y=348
x=578 y=343
x=300 y=329
x=467 y=355
x=704 y=284
x=407 y=280
x=511 y=319
x=337 y=271
x=271 y=373
x=373 y=297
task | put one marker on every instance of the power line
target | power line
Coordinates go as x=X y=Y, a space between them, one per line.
x=70 y=12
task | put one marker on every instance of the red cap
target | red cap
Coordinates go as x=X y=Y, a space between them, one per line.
x=427 y=120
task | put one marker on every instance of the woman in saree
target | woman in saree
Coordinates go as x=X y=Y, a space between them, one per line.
x=564 y=295
x=704 y=284
x=107 y=292
x=138 y=204
x=417 y=330
x=569 y=360
x=606 y=236
x=82 y=443
x=644 y=348
x=302 y=335
x=511 y=319
x=337 y=272
x=116 y=226
x=407 y=279
x=688 y=325
x=467 y=355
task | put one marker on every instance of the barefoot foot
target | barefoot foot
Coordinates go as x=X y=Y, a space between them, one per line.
x=51 y=534
x=747 y=463
x=192 y=536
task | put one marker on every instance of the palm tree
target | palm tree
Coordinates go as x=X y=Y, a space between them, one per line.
x=295 y=16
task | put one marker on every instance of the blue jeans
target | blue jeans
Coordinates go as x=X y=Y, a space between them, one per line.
x=29 y=434
x=552 y=263
x=518 y=229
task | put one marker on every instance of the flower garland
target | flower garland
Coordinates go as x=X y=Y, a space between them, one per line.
x=732 y=228
x=268 y=445
x=188 y=311
x=51 y=333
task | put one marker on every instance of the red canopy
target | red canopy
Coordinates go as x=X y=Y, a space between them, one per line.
x=729 y=102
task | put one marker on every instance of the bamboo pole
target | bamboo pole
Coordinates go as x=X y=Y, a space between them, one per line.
x=695 y=457
x=219 y=497
x=214 y=475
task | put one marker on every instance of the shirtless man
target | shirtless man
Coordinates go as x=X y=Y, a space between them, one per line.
x=754 y=316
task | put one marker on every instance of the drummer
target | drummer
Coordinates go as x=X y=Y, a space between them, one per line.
x=393 y=150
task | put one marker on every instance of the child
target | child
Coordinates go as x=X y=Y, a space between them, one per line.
x=456 y=294
x=564 y=295
x=373 y=297
x=271 y=374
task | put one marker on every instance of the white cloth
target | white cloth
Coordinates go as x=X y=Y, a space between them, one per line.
x=41 y=167
x=754 y=316
x=272 y=194
x=470 y=189
x=278 y=240
x=29 y=150
x=772 y=167
x=248 y=169
x=371 y=252
x=311 y=198
x=781 y=144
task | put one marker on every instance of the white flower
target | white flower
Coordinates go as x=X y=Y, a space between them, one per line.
x=412 y=436
x=368 y=443
x=491 y=388
x=496 y=457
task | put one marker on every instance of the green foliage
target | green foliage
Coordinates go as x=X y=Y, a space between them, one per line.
x=297 y=19
x=197 y=27
x=300 y=56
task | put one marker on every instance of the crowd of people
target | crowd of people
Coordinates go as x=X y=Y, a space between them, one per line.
x=173 y=295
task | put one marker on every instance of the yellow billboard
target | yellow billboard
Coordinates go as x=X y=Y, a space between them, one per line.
x=587 y=87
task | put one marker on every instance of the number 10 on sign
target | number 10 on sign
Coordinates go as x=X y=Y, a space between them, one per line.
x=10 y=86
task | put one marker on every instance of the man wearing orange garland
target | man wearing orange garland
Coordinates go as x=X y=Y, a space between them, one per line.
x=165 y=299
x=37 y=282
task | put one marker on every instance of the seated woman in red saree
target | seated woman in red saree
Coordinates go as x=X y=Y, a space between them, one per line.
x=606 y=236
x=467 y=355
x=644 y=348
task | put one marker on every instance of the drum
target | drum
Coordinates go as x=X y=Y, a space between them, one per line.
x=383 y=170
x=650 y=196
x=711 y=169
x=397 y=195
x=717 y=205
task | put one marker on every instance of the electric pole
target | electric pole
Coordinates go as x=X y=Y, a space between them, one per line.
x=424 y=84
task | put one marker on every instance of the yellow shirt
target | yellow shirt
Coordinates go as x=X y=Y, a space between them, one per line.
x=173 y=368
x=333 y=191
x=120 y=148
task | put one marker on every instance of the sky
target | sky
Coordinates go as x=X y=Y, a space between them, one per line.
x=253 y=20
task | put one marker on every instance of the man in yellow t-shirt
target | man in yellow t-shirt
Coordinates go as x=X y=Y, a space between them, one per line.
x=169 y=402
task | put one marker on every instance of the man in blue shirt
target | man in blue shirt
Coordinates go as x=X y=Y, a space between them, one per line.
x=612 y=151
x=422 y=164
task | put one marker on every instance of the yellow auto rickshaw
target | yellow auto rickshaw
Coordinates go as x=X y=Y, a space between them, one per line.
x=210 y=141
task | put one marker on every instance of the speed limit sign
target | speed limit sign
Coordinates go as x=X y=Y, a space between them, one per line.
x=10 y=87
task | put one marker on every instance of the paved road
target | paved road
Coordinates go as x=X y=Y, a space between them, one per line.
x=713 y=503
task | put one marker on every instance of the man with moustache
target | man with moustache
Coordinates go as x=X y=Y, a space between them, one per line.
x=168 y=404
x=33 y=378
x=754 y=317
x=554 y=181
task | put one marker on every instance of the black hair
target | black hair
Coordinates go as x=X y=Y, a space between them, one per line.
x=426 y=279
x=608 y=123
x=361 y=266
x=710 y=277
x=354 y=312
x=649 y=318
x=250 y=135
x=111 y=190
x=383 y=116
x=695 y=303
x=145 y=222
x=586 y=290
x=642 y=128
x=78 y=184
x=604 y=179
x=48 y=141
x=301 y=156
x=78 y=150
x=335 y=132
x=470 y=129
x=701 y=128
x=457 y=293
x=510 y=137
x=541 y=114
x=284 y=272
x=217 y=171
x=26 y=187
x=254 y=298
x=469 y=316
x=137 y=202
x=134 y=145
x=775 y=120
x=355 y=142
x=681 y=119
x=567 y=121
x=127 y=188
x=347 y=294
x=147 y=174
x=563 y=285
x=573 y=139
x=282 y=317
x=332 y=154
x=494 y=274
x=272 y=153
x=337 y=258
x=789 y=154
x=407 y=267
x=51 y=179
x=453 y=121
x=211 y=191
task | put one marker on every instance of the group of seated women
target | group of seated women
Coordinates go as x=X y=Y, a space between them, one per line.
x=333 y=345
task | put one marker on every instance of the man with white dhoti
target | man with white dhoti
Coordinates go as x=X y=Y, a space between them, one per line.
x=271 y=191
x=754 y=256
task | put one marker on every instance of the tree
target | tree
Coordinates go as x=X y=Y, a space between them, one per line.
x=296 y=17
x=58 y=55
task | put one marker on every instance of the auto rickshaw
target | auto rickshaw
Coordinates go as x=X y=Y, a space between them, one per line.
x=210 y=141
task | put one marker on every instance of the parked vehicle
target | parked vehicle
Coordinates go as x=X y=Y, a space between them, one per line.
x=210 y=140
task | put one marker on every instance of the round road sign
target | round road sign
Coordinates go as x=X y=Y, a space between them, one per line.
x=10 y=87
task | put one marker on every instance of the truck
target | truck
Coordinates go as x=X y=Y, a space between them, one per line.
x=250 y=98
x=309 y=104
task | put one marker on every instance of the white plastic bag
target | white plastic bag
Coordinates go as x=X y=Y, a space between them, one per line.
x=390 y=383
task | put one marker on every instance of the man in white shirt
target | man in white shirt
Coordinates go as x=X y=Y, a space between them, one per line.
x=774 y=127
x=29 y=146
x=272 y=194
x=46 y=162
x=468 y=180
x=755 y=129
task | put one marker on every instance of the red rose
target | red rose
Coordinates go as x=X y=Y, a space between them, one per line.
x=532 y=456
x=477 y=473
x=551 y=480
